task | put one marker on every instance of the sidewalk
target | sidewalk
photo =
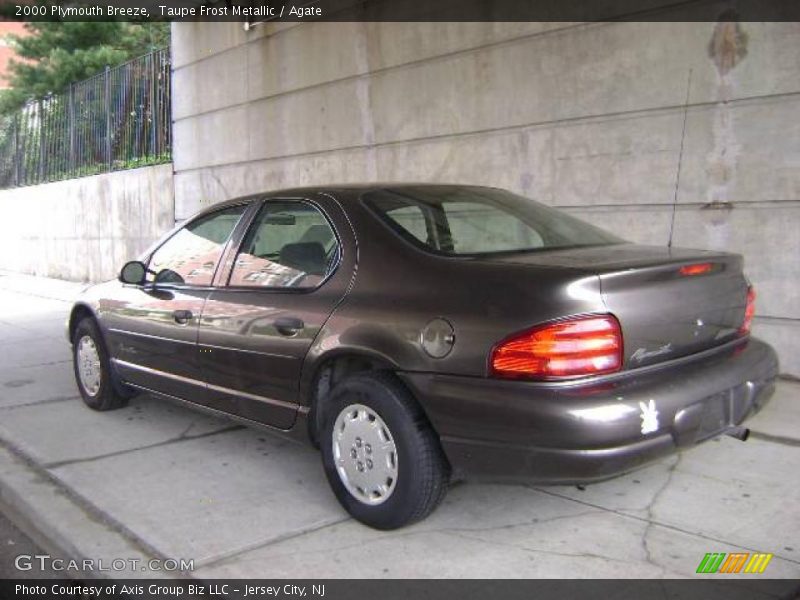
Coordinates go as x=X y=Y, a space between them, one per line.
x=156 y=480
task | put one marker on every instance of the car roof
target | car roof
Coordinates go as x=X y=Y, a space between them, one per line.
x=344 y=192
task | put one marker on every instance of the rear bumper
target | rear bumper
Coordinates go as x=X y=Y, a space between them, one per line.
x=589 y=431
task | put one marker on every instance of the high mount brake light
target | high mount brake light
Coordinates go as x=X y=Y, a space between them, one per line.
x=575 y=347
x=696 y=269
x=749 y=311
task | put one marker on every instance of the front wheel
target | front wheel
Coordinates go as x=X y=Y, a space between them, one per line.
x=381 y=456
x=93 y=369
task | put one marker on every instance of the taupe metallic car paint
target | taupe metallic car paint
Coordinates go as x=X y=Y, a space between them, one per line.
x=682 y=350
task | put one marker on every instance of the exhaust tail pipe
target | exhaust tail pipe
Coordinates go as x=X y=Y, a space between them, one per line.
x=738 y=432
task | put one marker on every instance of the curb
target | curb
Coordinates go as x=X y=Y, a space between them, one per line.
x=64 y=524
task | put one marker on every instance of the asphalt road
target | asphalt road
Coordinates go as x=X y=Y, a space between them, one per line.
x=14 y=543
x=157 y=481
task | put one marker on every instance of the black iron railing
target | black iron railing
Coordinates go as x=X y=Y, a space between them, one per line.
x=118 y=119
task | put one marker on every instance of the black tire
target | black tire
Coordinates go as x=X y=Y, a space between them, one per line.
x=105 y=397
x=422 y=470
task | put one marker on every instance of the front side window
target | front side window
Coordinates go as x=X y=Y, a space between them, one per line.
x=191 y=255
x=463 y=221
x=290 y=244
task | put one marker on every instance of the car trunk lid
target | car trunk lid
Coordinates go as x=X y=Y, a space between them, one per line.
x=669 y=302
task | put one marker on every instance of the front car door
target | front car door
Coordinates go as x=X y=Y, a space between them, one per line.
x=152 y=328
x=293 y=266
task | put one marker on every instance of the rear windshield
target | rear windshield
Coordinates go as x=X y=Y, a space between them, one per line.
x=473 y=221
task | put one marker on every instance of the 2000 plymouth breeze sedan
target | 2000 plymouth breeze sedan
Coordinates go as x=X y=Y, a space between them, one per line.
x=418 y=333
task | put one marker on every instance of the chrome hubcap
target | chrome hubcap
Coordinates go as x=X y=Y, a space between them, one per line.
x=89 y=368
x=365 y=454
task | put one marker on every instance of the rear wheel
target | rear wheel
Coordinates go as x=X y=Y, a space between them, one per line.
x=381 y=456
x=93 y=369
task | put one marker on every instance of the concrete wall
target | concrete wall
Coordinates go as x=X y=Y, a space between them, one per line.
x=85 y=229
x=588 y=117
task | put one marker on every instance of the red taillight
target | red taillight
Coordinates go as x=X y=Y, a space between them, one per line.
x=749 y=311
x=696 y=269
x=576 y=347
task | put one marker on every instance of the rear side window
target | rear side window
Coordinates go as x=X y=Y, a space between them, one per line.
x=480 y=227
x=190 y=256
x=412 y=220
x=290 y=244
x=476 y=221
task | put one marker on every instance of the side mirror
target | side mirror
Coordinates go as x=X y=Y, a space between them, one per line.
x=133 y=272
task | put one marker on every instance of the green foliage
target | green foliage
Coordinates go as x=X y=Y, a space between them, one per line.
x=60 y=53
x=145 y=161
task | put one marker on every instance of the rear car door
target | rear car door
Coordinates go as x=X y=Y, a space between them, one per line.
x=152 y=328
x=278 y=288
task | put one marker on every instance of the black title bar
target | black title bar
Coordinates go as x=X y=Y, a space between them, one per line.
x=252 y=12
x=708 y=588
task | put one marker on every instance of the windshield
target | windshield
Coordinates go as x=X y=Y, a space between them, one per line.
x=473 y=221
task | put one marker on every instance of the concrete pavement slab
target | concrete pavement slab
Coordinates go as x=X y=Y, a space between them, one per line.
x=50 y=326
x=63 y=523
x=145 y=423
x=45 y=322
x=726 y=490
x=721 y=490
x=346 y=551
x=52 y=382
x=11 y=334
x=780 y=417
x=40 y=287
x=567 y=539
x=210 y=497
x=35 y=352
x=37 y=305
x=22 y=309
x=479 y=531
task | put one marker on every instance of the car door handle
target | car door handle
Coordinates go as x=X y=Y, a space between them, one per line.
x=288 y=325
x=182 y=316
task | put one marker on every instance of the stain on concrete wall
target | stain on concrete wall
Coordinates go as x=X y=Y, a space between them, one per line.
x=726 y=49
x=728 y=45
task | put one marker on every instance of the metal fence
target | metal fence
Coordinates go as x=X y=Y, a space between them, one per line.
x=118 y=119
